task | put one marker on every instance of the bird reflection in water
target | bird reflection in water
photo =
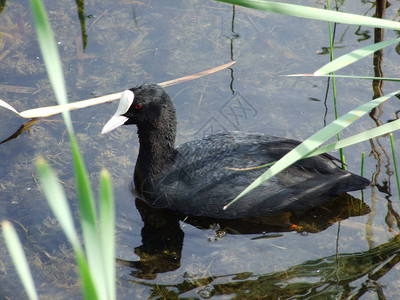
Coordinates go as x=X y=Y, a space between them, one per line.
x=162 y=236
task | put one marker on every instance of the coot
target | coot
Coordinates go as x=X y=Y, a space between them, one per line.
x=197 y=178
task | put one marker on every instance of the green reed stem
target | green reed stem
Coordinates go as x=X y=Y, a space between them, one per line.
x=362 y=164
x=362 y=174
x=331 y=42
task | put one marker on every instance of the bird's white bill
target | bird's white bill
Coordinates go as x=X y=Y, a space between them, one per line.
x=125 y=102
x=114 y=122
x=118 y=120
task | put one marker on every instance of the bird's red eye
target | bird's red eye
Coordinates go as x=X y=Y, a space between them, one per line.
x=138 y=106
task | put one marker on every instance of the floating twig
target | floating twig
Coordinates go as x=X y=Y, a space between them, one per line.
x=53 y=110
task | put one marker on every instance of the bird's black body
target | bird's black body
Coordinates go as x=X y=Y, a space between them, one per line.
x=198 y=178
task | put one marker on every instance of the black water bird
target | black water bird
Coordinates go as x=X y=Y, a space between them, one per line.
x=197 y=178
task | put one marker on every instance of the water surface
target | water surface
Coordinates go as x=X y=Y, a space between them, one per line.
x=345 y=249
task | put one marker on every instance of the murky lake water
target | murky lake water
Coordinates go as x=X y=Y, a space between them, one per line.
x=130 y=42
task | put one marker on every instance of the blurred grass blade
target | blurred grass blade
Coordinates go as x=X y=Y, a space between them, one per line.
x=315 y=13
x=107 y=230
x=51 y=56
x=358 y=138
x=86 y=203
x=84 y=191
x=90 y=232
x=313 y=142
x=88 y=286
x=18 y=257
x=57 y=201
x=93 y=273
x=352 y=57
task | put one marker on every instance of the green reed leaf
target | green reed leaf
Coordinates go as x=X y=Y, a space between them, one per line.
x=345 y=76
x=302 y=150
x=315 y=13
x=352 y=57
x=358 y=138
x=50 y=56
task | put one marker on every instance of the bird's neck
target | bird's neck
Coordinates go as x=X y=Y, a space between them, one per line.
x=156 y=153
